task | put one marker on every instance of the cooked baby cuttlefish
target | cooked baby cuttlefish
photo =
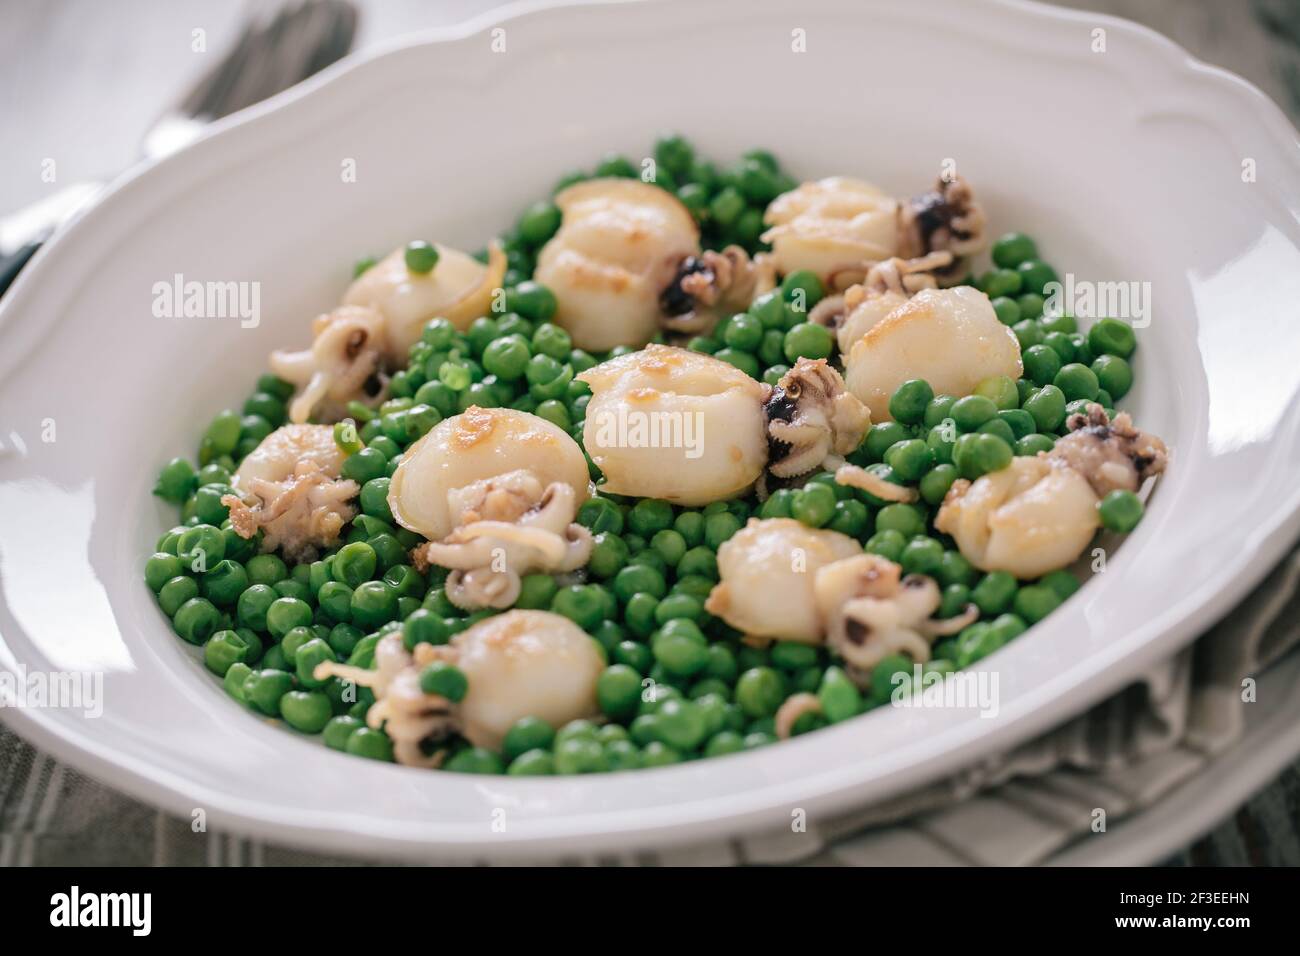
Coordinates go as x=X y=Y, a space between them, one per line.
x=872 y=611
x=840 y=227
x=669 y=423
x=289 y=487
x=950 y=337
x=518 y=664
x=767 y=571
x=383 y=313
x=1038 y=514
x=619 y=246
x=812 y=420
x=495 y=491
x=781 y=580
x=626 y=261
x=830 y=224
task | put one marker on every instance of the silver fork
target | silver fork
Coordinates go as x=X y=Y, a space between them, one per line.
x=279 y=45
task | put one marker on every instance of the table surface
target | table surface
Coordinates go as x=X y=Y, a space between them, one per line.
x=83 y=80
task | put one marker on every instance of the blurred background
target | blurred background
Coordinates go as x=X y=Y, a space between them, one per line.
x=82 y=82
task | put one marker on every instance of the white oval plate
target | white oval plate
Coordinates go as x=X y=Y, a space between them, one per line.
x=1125 y=164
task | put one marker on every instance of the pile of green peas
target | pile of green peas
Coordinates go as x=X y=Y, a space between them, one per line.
x=679 y=684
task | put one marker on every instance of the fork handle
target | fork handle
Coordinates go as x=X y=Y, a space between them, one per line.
x=13 y=263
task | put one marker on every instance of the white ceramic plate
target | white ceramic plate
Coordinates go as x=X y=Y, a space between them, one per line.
x=1126 y=164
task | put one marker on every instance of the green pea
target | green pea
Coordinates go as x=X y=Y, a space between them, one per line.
x=1001 y=282
x=445 y=679
x=1031 y=305
x=1076 y=381
x=650 y=516
x=532 y=763
x=1047 y=407
x=889 y=544
x=532 y=300
x=374 y=744
x=201 y=547
x=760 y=691
x=308 y=656
x=743 y=332
x=233 y=682
x=633 y=654
x=680 y=724
x=355 y=563
x=907 y=520
x=699 y=561
x=264 y=688
x=337 y=731
x=284 y=614
x=290 y=588
x=525 y=735
x=1112 y=337
x=792 y=655
x=724 y=742
x=910 y=400
x=718 y=529
x=689 y=528
x=999 y=389
x=1062 y=582
x=579 y=755
x=1062 y=345
x=955 y=569
x=973 y=411
x=225 y=649
x=936 y=482
x=977 y=642
x=252 y=607
x=1006 y=309
x=538 y=222
x=1120 y=511
x=953 y=601
x=367 y=464
x=421 y=257
x=910 y=459
x=981 y=453
x=225 y=582
x=373 y=604
x=176 y=481
x=639 y=614
x=196 y=620
x=741 y=360
x=850 y=517
x=1013 y=248
x=580 y=603
x=679 y=607
x=921 y=555
x=1114 y=375
x=881 y=437
x=994 y=593
x=1035 y=602
x=680 y=648
x=609 y=554
x=813 y=505
x=1028 y=333
x=308 y=711
x=639 y=578
x=940 y=408
x=161 y=568
x=618 y=691
x=1019 y=422
x=1035 y=275
x=839 y=696
x=537 y=591
x=808 y=340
